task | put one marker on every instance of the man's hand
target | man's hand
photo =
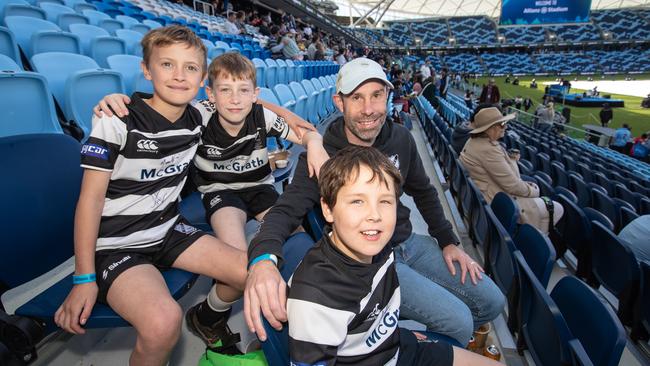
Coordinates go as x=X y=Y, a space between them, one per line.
x=116 y=101
x=266 y=291
x=298 y=125
x=453 y=253
x=75 y=310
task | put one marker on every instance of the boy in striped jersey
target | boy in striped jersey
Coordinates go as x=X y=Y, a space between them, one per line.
x=344 y=297
x=127 y=224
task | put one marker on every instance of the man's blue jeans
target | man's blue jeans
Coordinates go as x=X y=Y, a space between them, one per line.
x=435 y=298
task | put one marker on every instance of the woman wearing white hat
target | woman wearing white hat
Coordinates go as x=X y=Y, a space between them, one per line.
x=493 y=170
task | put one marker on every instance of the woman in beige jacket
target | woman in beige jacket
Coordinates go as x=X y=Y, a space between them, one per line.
x=493 y=170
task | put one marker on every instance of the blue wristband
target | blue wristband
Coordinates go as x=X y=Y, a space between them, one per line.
x=264 y=257
x=84 y=278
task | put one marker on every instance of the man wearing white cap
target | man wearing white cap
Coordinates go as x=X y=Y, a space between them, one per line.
x=432 y=270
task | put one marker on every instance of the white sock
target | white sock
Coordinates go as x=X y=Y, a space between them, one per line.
x=215 y=303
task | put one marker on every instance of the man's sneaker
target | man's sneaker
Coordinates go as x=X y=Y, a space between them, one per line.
x=217 y=337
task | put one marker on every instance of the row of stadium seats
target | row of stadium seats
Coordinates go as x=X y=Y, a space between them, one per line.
x=520 y=260
x=618 y=24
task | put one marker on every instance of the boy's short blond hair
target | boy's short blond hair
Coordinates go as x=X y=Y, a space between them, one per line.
x=166 y=36
x=345 y=165
x=234 y=65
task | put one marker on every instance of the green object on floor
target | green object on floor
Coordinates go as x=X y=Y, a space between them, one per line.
x=210 y=358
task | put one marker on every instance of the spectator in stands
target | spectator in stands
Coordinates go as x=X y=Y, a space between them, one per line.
x=527 y=104
x=426 y=265
x=533 y=84
x=445 y=81
x=275 y=43
x=494 y=170
x=126 y=243
x=621 y=139
x=429 y=92
x=490 y=93
x=641 y=147
x=425 y=69
x=290 y=49
x=339 y=56
x=469 y=96
x=230 y=24
x=461 y=132
x=264 y=27
x=518 y=102
x=417 y=84
x=359 y=189
x=545 y=117
x=636 y=235
x=606 y=115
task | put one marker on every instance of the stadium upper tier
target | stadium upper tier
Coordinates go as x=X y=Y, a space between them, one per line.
x=607 y=25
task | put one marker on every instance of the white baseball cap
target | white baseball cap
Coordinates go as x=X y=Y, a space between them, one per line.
x=355 y=72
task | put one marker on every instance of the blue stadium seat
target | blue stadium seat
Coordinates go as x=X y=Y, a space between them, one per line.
x=95 y=16
x=71 y=79
x=127 y=21
x=80 y=6
x=26 y=106
x=314 y=99
x=111 y=25
x=627 y=216
x=537 y=250
x=297 y=70
x=132 y=39
x=8 y=64
x=271 y=73
x=577 y=236
x=544 y=329
x=285 y=97
x=301 y=99
x=8 y=45
x=143 y=85
x=53 y=10
x=501 y=266
x=55 y=180
x=260 y=72
x=65 y=20
x=292 y=71
x=616 y=268
x=24 y=10
x=598 y=330
x=151 y=23
x=506 y=210
x=97 y=43
x=641 y=325
x=141 y=28
x=322 y=108
x=216 y=52
x=267 y=95
x=129 y=67
x=24 y=28
x=282 y=74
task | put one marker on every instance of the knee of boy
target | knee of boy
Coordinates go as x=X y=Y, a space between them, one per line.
x=163 y=324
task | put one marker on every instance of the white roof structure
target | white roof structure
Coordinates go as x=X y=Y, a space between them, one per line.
x=386 y=10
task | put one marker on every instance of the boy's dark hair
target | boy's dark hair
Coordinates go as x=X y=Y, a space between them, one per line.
x=231 y=64
x=166 y=36
x=345 y=166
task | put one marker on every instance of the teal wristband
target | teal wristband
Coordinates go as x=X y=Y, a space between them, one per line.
x=84 y=278
x=264 y=257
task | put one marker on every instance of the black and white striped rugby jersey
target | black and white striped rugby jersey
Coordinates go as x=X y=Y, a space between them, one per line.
x=148 y=157
x=343 y=312
x=226 y=162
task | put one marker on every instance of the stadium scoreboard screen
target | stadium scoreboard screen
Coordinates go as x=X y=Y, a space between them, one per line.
x=538 y=12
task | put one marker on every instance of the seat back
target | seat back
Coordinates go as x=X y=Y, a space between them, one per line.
x=24 y=10
x=132 y=39
x=500 y=260
x=560 y=175
x=267 y=95
x=301 y=99
x=285 y=97
x=506 y=210
x=602 y=202
x=127 y=20
x=24 y=27
x=141 y=28
x=86 y=34
x=283 y=78
x=537 y=250
x=8 y=64
x=260 y=72
x=65 y=20
x=643 y=317
x=579 y=187
x=101 y=48
x=42 y=187
x=544 y=330
x=128 y=66
x=95 y=16
x=614 y=264
x=600 y=332
x=53 y=10
x=55 y=41
x=111 y=25
x=8 y=45
x=314 y=99
x=26 y=106
x=271 y=72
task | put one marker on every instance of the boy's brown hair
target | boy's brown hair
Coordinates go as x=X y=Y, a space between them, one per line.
x=166 y=36
x=344 y=168
x=234 y=65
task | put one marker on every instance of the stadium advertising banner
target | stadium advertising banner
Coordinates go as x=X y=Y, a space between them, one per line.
x=533 y=12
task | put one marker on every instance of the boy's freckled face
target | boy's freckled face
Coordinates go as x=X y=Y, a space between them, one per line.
x=176 y=72
x=233 y=98
x=363 y=218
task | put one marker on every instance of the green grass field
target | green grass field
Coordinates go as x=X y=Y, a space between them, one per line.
x=638 y=118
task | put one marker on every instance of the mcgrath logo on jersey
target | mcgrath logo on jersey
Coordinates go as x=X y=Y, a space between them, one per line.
x=170 y=165
x=241 y=164
x=95 y=151
x=395 y=160
x=147 y=146
x=388 y=321
x=185 y=229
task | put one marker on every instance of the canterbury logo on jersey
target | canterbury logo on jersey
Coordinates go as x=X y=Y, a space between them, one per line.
x=147 y=145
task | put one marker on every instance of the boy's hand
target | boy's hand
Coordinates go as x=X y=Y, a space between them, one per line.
x=75 y=310
x=316 y=157
x=266 y=291
x=298 y=125
x=117 y=102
